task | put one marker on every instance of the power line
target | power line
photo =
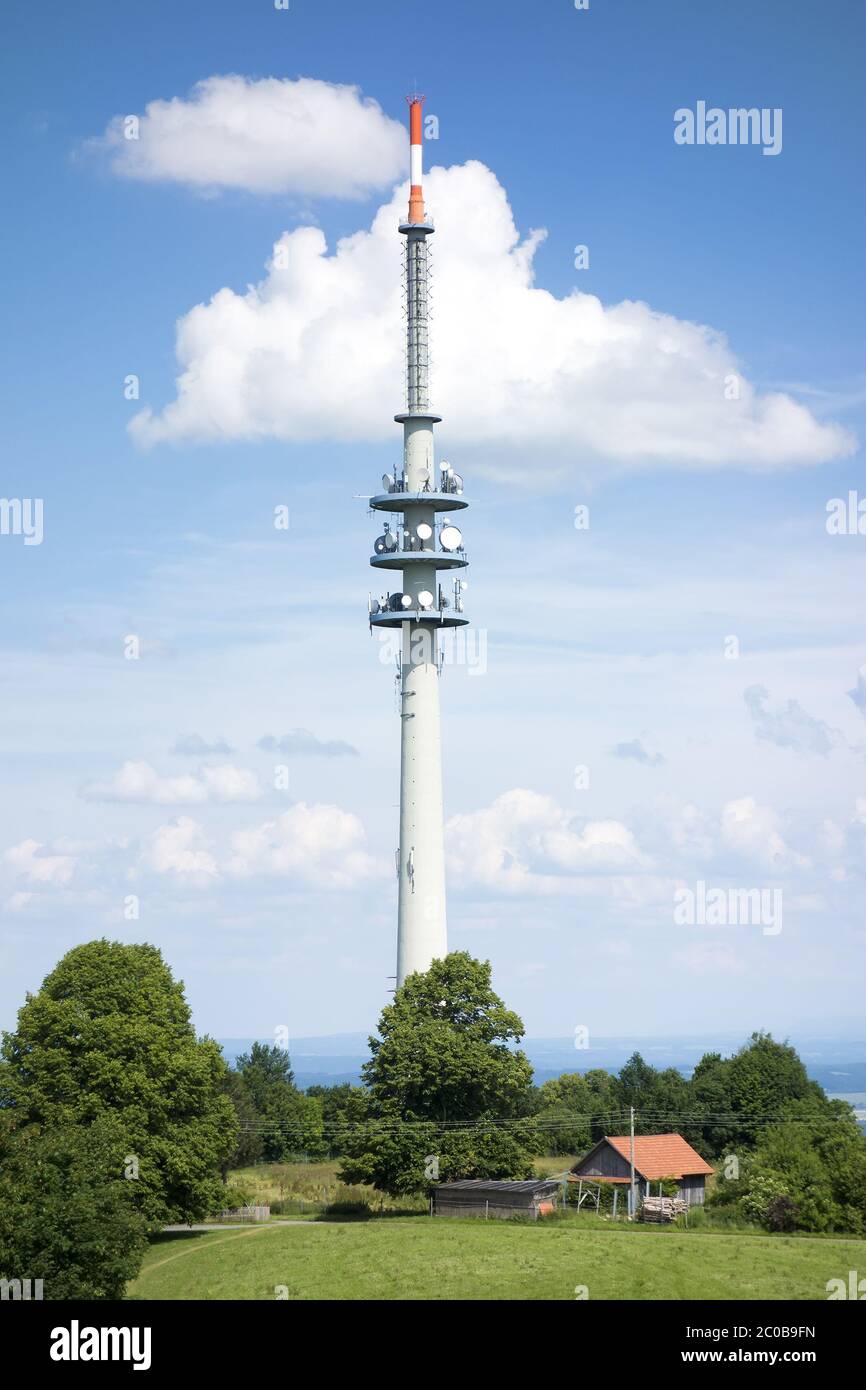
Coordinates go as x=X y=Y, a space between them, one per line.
x=683 y=1119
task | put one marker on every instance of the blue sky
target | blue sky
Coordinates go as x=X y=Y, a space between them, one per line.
x=605 y=648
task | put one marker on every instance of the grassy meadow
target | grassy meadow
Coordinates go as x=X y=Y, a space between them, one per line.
x=405 y=1257
x=399 y=1252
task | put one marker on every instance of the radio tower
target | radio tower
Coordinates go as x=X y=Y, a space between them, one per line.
x=420 y=540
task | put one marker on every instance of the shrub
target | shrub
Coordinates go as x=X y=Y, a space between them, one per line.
x=782 y=1214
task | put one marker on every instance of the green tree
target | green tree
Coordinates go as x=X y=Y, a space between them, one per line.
x=109 y=1036
x=248 y=1148
x=343 y=1108
x=443 y=1050
x=263 y=1068
x=710 y=1091
x=604 y=1103
x=660 y=1098
x=67 y=1214
x=565 y=1114
x=806 y=1173
x=289 y=1121
x=292 y=1125
x=765 y=1074
x=448 y=1089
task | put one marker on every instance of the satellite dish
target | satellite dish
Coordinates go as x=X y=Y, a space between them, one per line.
x=406 y=600
x=387 y=481
x=380 y=545
x=374 y=606
x=424 y=531
x=450 y=538
x=390 y=540
x=425 y=598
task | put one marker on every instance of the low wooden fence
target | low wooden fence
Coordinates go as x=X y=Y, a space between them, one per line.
x=246 y=1214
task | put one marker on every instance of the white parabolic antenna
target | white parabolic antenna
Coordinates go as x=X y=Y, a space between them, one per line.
x=450 y=538
x=424 y=530
x=425 y=598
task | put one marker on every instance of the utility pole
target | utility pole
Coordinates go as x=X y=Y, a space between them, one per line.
x=632 y=1204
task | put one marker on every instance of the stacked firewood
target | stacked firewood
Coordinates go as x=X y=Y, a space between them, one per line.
x=662 y=1208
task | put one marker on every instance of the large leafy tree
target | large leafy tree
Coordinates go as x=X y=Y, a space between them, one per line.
x=448 y=1088
x=760 y=1082
x=444 y=1050
x=67 y=1214
x=109 y=1036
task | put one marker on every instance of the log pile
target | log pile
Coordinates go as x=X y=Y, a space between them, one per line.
x=662 y=1208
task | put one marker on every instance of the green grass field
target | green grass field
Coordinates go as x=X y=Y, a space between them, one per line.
x=422 y=1258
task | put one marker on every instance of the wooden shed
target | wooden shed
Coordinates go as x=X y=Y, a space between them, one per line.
x=656 y=1156
x=533 y=1197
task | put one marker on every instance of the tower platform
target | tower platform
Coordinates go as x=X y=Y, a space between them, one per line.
x=430 y=617
x=405 y=559
x=436 y=501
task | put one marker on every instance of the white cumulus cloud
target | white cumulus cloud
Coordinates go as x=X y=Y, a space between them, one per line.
x=182 y=850
x=272 y=135
x=753 y=831
x=140 y=782
x=525 y=842
x=316 y=846
x=38 y=863
x=314 y=351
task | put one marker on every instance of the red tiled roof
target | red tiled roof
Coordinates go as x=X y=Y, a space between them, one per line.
x=660 y=1155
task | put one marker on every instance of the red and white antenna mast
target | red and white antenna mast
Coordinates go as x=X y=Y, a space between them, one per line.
x=416 y=158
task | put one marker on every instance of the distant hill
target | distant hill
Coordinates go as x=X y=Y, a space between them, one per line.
x=837 y=1065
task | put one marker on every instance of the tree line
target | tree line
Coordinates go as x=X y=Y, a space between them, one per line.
x=116 y=1120
x=448 y=1094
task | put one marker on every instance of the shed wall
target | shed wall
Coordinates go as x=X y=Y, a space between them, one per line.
x=605 y=1163
x=692 y=1189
